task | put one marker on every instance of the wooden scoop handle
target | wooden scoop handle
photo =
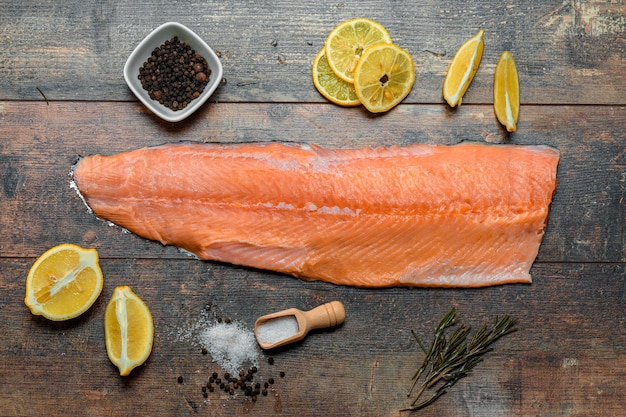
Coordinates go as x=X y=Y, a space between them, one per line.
x=326 y=315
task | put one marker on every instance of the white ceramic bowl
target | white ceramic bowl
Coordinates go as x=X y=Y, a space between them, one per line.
x=143 y=51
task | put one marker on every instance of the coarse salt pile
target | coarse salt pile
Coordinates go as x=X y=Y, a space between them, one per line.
x=231 y=345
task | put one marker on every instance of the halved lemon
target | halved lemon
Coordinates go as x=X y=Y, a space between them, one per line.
x=347 y=41
x=64 y=282
x=384 y=76
x=128 y=330
x=462 y=69
x=506 y=92
x=330 y=85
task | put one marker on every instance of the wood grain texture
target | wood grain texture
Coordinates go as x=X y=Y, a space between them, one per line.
x=567 y=52
x=569 y=355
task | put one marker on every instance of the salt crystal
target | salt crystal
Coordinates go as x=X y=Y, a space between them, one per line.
x=231 y=345
x=277 y=329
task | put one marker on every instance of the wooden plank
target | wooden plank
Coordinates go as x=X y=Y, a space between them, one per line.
x=569 y=354
x=567 y=52
x=39 y=144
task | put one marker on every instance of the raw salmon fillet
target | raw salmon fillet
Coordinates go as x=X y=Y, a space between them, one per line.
x=468 y=215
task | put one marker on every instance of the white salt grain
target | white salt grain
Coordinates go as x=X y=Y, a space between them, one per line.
x=231 y=345
x=277 y=329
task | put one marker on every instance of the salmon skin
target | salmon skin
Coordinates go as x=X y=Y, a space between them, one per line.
x=466 y=215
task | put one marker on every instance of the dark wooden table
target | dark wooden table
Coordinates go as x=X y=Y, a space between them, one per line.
x=568 y=357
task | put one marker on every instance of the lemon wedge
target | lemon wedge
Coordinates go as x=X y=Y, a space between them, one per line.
x=506 y=92
x=462 y=69
x=128 y=330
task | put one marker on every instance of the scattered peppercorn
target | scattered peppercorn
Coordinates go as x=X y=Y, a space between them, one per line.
x=270 y=360
x=204 y=351
x=232 y=384
x=179 y=379
x=174 y=74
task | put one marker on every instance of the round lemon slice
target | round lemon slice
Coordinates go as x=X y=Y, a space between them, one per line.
x=383 y=77
x=462 y=69
x=128 y=330
x=330 y=85
x=506 y=92
x=347 y=41
x=63 y=282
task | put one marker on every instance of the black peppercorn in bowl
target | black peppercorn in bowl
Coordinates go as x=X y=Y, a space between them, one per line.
x=173 y=71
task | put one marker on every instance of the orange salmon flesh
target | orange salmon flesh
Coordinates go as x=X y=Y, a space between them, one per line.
x=467 y=215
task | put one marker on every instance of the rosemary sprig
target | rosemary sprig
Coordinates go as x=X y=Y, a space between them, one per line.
x=451 y=358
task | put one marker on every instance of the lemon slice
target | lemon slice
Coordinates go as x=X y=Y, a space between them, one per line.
x=462 y=69
x=128 y=330
x=347 y=41
x=506 y=92
x=330 y=86
x=384 y=76
x=63 y=282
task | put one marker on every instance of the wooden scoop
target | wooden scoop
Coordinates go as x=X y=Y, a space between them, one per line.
x=291 y=325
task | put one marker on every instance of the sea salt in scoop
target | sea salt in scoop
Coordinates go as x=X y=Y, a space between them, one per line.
x=275 y=330
x=291 y=325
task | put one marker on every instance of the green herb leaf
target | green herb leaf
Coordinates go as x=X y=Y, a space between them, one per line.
x=449 y=358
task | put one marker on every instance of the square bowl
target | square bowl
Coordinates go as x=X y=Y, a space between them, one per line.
x=144 y=50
